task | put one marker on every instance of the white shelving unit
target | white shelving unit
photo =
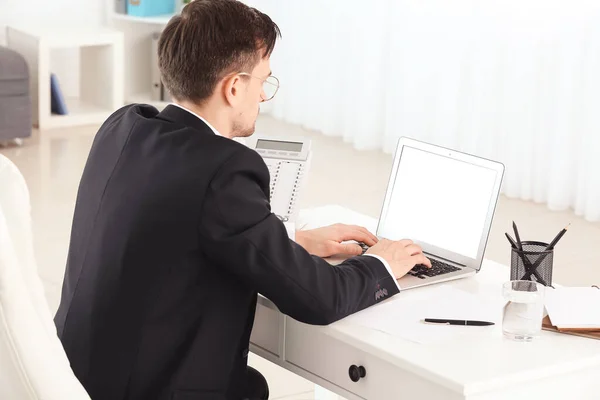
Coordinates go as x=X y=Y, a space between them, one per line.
x=101 y=63
x=137 y=35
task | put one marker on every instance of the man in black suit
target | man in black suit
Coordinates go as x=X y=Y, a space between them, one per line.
x=173 y=236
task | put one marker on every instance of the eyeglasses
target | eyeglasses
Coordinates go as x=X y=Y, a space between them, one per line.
x=270 y=85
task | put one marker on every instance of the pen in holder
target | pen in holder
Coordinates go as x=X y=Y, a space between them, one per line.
x=532 y=263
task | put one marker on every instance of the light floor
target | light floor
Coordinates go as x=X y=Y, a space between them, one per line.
x=52 y=162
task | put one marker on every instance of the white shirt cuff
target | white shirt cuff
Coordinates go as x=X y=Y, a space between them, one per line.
x=290 y=227
x=387 y=266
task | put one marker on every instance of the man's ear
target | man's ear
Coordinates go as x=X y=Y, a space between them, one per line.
x=232 y=88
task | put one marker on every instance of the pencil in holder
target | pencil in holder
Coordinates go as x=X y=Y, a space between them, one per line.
x=533 y=263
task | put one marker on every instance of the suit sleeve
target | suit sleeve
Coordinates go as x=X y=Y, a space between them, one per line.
x=241 y=235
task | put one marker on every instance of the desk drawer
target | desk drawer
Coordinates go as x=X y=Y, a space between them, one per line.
x=313 y=350
x=266 y=329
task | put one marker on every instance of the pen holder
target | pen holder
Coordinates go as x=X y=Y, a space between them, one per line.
x=533 y=263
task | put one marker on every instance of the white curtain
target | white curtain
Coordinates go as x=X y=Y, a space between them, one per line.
x=516 y=81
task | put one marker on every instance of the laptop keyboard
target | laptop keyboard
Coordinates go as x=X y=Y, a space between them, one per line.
x=437 y=268
x=421 y=271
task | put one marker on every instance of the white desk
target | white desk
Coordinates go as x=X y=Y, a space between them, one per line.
x=480 y=367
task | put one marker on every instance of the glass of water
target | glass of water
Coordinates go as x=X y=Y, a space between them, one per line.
x=524 y=310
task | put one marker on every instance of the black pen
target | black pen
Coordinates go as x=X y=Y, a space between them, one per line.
x=457 y=322
x=517 y=236
x=557 y=238
x=512 y=241
x=541 y=259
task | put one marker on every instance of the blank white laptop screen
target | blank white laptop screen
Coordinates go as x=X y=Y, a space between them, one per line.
x=438 y=200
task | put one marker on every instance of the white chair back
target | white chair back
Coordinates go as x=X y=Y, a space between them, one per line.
x=14 y=199
x=33 y=364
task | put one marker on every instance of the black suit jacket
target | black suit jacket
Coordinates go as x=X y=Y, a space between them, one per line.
x=172 y=238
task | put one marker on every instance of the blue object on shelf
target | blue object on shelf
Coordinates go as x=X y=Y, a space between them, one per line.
x=150 y=8
x=57 y=101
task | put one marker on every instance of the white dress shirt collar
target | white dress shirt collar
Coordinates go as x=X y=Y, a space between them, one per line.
x=216 y=132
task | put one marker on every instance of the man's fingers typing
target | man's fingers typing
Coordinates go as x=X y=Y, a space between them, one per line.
x=421 y=259
x=413 y=249
x=359 y=236
x=367 y=232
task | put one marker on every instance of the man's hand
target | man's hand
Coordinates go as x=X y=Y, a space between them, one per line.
x=402 y=255
x=326 y=242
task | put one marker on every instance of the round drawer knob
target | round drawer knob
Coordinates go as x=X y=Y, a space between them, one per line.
x=356 y=372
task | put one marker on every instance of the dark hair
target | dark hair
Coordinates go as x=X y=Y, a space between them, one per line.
x=210 y=39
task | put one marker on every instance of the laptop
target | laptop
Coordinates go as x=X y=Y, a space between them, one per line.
x=443 y=200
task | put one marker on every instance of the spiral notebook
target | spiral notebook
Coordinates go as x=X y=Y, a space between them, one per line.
x=574 y=309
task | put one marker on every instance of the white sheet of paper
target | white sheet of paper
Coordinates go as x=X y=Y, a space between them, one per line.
x=573 y=307
x=403 y=317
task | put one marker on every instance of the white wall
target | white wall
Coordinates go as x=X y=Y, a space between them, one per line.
x=76 y=13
